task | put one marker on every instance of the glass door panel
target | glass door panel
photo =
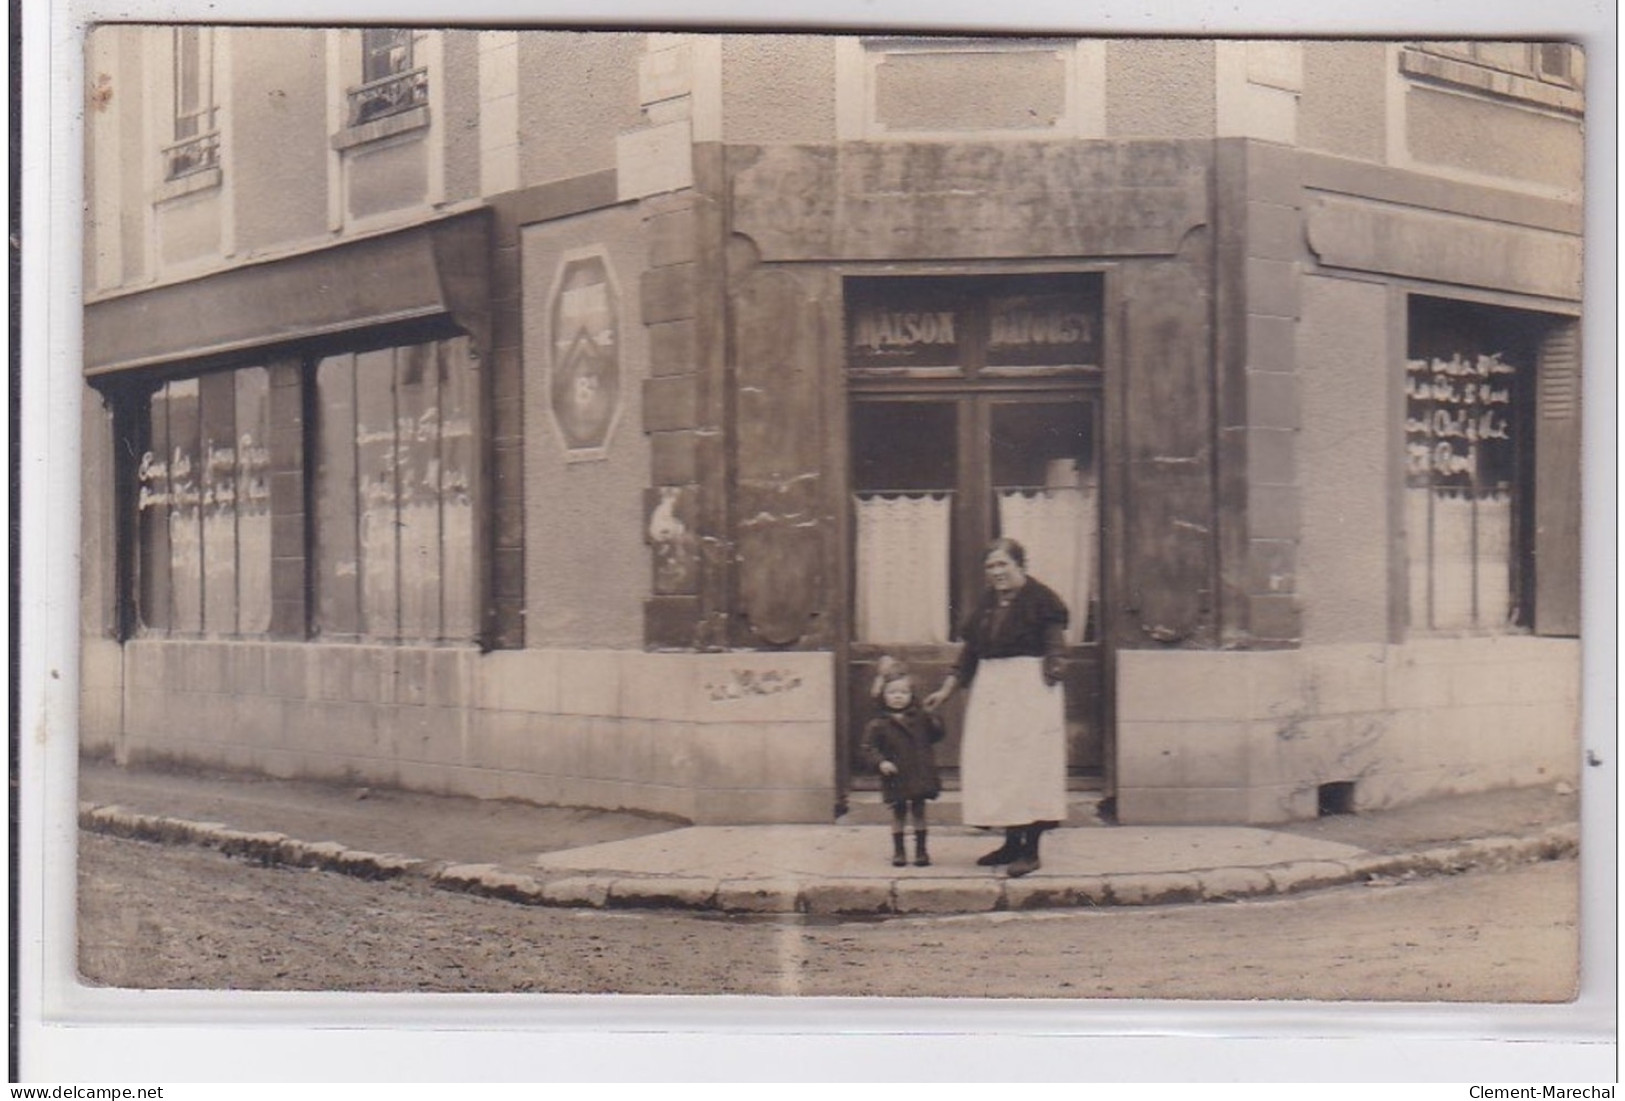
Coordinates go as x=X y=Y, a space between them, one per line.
x=1046 y=492
x=904 y=469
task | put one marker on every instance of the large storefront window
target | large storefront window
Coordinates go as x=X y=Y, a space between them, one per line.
x=341 y=489
x=394 y=511
x=1471 y=447
x=203 y=506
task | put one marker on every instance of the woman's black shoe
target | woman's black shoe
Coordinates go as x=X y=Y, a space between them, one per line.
x=1005 y=853
x=1021 y=866
x=1028 y=860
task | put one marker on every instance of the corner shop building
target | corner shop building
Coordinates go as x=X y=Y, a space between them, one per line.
x=609 y=488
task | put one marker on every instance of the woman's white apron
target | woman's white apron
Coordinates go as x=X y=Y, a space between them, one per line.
x=1012 y=762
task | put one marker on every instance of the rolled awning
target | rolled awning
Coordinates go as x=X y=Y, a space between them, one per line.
x=429 y=272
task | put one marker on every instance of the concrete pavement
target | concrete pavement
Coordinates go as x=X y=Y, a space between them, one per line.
x=586 y=858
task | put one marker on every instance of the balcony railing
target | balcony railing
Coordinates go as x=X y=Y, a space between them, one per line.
x=192 y=155
x=390 y=95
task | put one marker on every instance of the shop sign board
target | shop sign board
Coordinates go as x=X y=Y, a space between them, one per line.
x=935 y=323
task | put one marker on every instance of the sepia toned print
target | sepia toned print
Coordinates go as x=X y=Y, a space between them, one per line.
x=516 y=462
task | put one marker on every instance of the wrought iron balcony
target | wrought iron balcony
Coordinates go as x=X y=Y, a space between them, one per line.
x=390 y=95
x=192 y=155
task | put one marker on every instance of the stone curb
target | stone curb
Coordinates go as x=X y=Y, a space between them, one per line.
x=265 y=847
x=844 y=897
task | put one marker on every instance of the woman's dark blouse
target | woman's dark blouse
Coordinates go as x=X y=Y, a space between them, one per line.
x=1034 y=625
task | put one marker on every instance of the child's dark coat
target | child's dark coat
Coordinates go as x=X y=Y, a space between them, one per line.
x=905 y=739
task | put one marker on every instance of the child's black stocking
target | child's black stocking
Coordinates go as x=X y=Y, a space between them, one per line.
x=899 y=811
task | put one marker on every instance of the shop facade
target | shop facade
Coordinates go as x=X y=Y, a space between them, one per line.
x=604 y=474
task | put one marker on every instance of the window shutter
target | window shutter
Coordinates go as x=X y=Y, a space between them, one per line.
x=1557 y=482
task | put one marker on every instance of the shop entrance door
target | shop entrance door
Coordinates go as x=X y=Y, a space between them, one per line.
x=974 y=412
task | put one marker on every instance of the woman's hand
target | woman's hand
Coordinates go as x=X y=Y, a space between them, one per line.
x=886 y=768
x=941 y=695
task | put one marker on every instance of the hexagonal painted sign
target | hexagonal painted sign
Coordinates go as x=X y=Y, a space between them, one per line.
x=584 y=377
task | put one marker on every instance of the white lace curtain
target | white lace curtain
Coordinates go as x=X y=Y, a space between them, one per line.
x=1461 y=568
x=903 y=556
x=1058 y=528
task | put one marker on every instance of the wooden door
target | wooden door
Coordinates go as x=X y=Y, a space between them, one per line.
x=954 y=446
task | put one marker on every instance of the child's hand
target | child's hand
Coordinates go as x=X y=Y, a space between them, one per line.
x=888 y=769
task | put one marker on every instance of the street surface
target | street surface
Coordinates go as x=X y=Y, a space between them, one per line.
x=154 y=916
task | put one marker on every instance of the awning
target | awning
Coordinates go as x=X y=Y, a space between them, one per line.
x=435 y=271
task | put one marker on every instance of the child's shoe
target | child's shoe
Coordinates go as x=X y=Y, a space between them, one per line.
x=899 y=858
x=922 y=859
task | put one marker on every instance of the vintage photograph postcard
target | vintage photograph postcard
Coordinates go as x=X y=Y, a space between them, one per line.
x=871 y=514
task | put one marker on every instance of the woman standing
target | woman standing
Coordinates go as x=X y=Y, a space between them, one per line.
x=1013 y=757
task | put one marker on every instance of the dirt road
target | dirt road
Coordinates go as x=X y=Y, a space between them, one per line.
x=160 y=917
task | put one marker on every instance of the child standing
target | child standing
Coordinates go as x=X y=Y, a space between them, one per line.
x=898 y=742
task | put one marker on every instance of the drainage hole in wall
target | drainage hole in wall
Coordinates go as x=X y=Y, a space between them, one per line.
x=1336 y=798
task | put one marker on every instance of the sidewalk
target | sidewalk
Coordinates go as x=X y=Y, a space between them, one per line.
x=583 y=857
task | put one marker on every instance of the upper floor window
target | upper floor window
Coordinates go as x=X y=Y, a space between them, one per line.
x=391 y=82
x=1546 y=74
x=1560 y=63
x=1553 y=62
x=388 y=164
x=195 y=136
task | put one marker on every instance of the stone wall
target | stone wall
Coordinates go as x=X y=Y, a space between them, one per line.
x=1252 y=736
x=729 y=737
x=101 y=695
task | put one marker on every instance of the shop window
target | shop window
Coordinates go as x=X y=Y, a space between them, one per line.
x=1482 y=468
x=203 y=506
x=392 y=492
x=332 y=497
x=391 y=84
x=195 y=137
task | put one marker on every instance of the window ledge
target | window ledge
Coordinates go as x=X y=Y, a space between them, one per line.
x=1465 y=74
x=351 y=136
x=189 y=184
